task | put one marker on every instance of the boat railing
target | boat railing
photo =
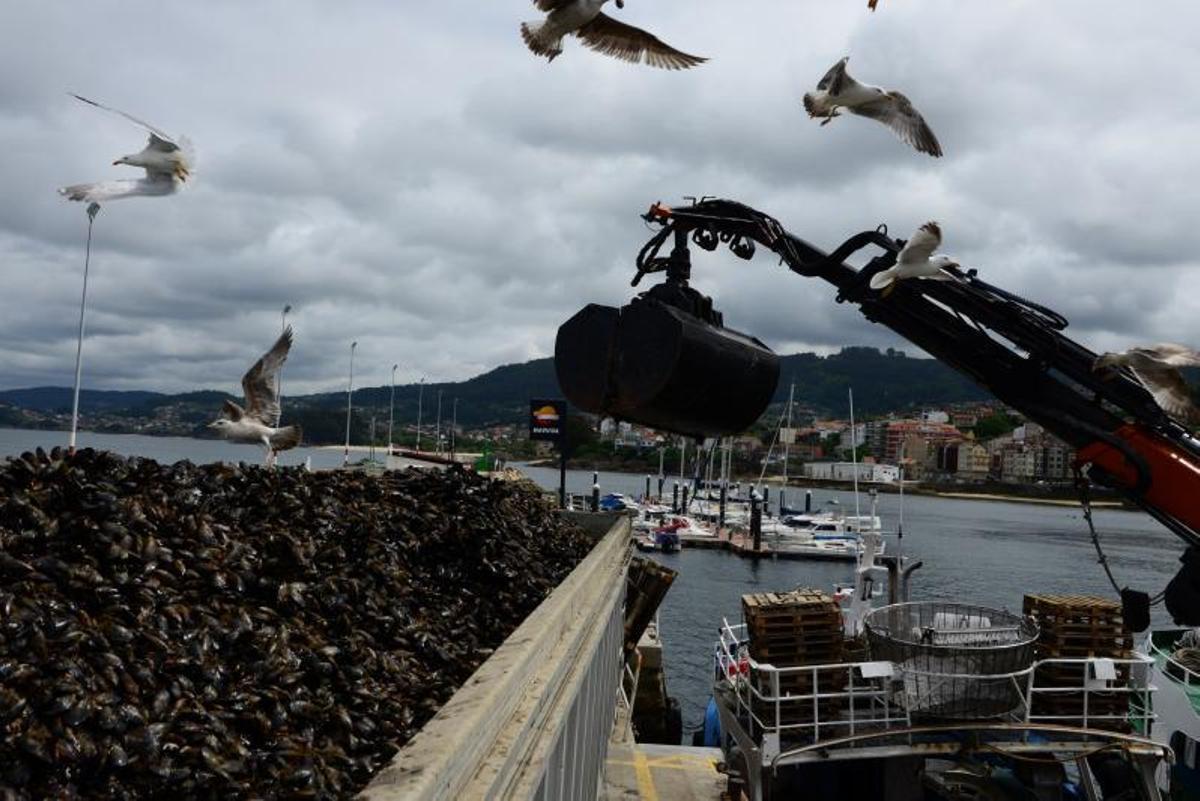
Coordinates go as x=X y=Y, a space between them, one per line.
x=826 y=702
x=811 y=702
x=1173 y=668
x=1094 y=692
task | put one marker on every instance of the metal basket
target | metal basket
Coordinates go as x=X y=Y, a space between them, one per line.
x=957 y=661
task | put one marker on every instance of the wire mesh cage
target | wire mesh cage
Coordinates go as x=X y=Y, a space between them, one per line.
x=957 y=661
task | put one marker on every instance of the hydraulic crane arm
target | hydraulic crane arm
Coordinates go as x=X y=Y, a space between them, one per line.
x=1011 y=346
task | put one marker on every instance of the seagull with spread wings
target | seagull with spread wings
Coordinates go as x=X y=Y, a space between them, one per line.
x=167 y=160
x=837 y=90
x=258 y=423
x=601 y=33
x=916 y=260
x=1157 y=369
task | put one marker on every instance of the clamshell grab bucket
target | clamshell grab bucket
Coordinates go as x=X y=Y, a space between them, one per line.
x=658 y=365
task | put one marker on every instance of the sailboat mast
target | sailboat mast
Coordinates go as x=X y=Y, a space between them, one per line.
x=682 y=456
x=786 y=446
x=854 y=457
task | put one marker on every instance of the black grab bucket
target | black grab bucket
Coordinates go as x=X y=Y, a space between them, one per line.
x=660 y=365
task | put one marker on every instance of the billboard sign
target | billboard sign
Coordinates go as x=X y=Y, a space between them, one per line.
x=547 y=420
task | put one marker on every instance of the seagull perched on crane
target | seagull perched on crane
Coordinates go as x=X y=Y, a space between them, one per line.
x=1157 y=369
x=167 y=160
x=837 y=90
x=258 y=423
x=601 y=33
x=916 y=260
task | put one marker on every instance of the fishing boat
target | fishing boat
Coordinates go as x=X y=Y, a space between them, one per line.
x=931 y=701
x=1176 y=673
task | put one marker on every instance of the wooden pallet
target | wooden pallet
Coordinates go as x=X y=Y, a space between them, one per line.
x=830 y=639
x=1080 y=612
x=1078 y=625
x=794 y=658
x=803 y=627
x=1071 y=604
x=827 y=682
x=797 y=604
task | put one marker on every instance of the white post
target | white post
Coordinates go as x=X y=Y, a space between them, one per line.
x=420 y=403
x=854 y=455
x=437 y=429
x=453 y=428
x=392 y=410
x=92 y=210
x=786 y=444
x=287 y=307
x=349 y=404
x=900 y=528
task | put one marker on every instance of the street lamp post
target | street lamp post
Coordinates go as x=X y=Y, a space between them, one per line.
x=349 y=404
x=420 y=404
x=392 y=409
x=453 y=429
x=438 y=428
x=92 y=210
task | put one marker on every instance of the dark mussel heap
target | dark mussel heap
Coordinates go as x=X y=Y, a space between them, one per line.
x=218 y=632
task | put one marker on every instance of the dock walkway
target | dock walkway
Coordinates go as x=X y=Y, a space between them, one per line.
x=648 y=772
x=661 y=773
x=742 y=544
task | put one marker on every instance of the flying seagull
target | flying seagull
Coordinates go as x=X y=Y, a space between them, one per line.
x=916 y=260
x=1157 y=369
x=258 y=423
x=837 y=90
x=601 y=33
x=167 y=161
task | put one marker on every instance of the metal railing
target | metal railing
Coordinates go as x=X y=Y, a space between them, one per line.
x=821 y=703
x=1108 y=692
x=764 y=694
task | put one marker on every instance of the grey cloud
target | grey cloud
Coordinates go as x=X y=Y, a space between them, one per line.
x=407 y=175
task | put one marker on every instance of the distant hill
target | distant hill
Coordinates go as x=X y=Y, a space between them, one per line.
x=55 y=399
x=882 y=381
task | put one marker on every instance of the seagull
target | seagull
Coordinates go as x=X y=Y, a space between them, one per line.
x=916 y=260
x=599 y=32
x=838 y=90
x=1156 y=369
x=258 y=423
x=167 y=161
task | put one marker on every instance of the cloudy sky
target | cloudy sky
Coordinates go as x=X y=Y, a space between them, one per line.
x=408 y=175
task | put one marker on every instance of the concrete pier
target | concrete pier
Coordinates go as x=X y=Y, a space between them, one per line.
x=661 y=773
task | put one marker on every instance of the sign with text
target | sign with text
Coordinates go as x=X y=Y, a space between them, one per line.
x=547 y=420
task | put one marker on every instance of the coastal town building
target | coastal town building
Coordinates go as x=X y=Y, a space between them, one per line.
x=848 y=439
x=900 y=432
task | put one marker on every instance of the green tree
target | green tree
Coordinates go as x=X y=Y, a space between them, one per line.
x=994 y=426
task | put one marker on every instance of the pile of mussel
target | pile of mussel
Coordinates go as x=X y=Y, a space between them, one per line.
x=182 y=631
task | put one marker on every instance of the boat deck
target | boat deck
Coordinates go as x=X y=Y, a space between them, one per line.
x=661 y=772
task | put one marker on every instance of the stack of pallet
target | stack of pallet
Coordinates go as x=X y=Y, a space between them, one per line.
x=1077 y=626
x=792 y=629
